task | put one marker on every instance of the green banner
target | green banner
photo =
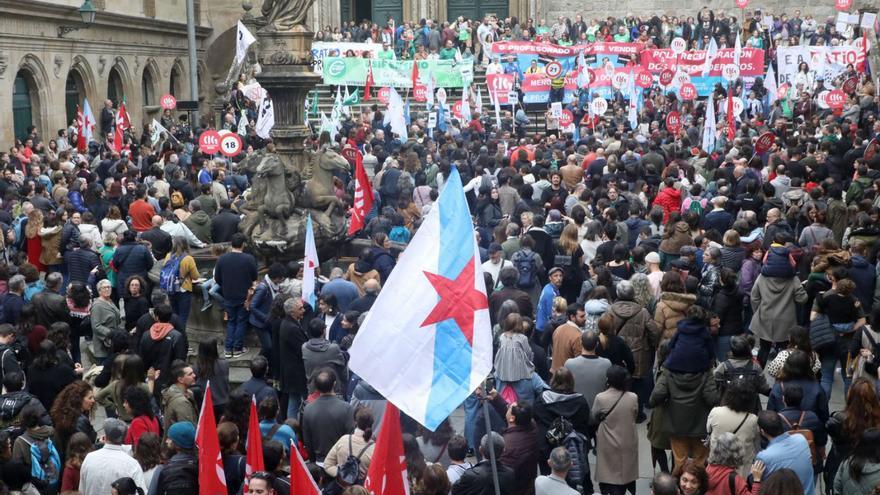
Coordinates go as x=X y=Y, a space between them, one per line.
x=351 y=71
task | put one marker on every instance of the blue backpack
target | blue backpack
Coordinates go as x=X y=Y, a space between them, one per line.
x=399 y=234
x=169 y=276
x=45 y=462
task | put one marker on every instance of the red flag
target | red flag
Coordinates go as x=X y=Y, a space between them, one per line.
x=387 y=473
x=81 y=144
x=212 y=479
x=415 y=74
x=363 y=196
x=301 y=482
x=731 y=119
x=122 y=123
x=254 y=459
x=369 y=84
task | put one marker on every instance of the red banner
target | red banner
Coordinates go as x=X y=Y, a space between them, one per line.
x=556 y=51
x=502 y=84
x=751 y=62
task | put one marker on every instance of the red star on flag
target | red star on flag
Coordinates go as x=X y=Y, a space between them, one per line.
x=458 y=300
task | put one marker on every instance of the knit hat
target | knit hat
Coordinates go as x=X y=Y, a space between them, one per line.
x=182 y=434
x=115 y=430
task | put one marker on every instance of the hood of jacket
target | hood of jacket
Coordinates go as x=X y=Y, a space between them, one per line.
x=678 y=301
x=200 y=218
x=596 y=306
x=782 y=180
x=794 y=194
x=689 y=326
x=562 y=404
x=318 y=345
x=672 y=193
x=159 y=330
x=626 y=309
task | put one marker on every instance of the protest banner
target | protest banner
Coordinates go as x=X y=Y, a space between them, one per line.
x=499 y=86
x=751 y=65
x=342 y=71
x=324 y=49
x=824 y=62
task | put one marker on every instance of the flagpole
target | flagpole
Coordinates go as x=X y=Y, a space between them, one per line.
x=491 y=445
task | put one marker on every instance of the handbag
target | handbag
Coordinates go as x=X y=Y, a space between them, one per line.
x=822 y=334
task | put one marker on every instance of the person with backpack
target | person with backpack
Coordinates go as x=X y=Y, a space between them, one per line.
x=13 y=403
x=741 y=365
x=560 y=412
x=348 y=461
x=389 y=183
x=270 y=429
x=36 y=450
x=806 y=423
x=162 y=345
x=614 y=415
x=176 y=278
x=109 y=463
x=180 y=475
x=530 y=268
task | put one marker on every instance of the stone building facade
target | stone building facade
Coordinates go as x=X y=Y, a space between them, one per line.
x=136 y=50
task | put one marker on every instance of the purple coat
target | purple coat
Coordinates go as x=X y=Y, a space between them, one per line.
x=751 y=268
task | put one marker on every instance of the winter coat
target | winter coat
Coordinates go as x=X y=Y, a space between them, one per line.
x=521 y=455
x=551 y=405
x=383 y=262
x=634 y=325
x=178 y=405
x=681 y=236
x=691 y=349
x=200 y=225
x=728 y=305
x=814 y=399
x=732 y=257
x=845 y=484
x=719 y=482
x=864 y=275
x=722 y=419
x=670 y=310
x=687 y=398
x=318 y=354
x=105 y=318
x=773 y=302
x=131 y=259
x=617 y=441
x=670 y=200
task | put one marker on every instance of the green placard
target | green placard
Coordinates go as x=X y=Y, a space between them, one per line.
x=349 y=71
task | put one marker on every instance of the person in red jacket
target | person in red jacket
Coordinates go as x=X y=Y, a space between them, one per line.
x=669 y=198
x=140 y=211
x=136 y=400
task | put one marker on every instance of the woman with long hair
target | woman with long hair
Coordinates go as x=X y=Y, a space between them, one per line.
x=148 y=453
x=591 y=240
x=234 y=463
x=735 y=416
x=136 y=404
x=570 y=257
x=798 y=340
x=846 y=315
x=34 y=245
x=113 y=222
x=674 y=302
x=210 y=367
x=797 y=371
x=237 y=412
x=433 y=443
x=71 y=413
x=47 y=376
x=181 y=299
x=514 y=360
x=79 y=447
x=131 y=374
x=860 y=473
x=845 y=427
x=79 y=304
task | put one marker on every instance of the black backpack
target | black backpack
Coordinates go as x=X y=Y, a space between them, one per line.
x=526 y=267
x=747 y=373
x=349 y=473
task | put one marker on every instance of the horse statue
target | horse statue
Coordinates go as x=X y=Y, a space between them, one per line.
x=318 y=192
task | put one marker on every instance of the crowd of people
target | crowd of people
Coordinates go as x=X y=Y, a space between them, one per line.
x=632 y=277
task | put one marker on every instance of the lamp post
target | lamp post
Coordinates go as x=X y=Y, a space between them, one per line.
x=87 y=13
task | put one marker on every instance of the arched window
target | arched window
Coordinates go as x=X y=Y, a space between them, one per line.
x=148 y=87
x=23 y=90
x=115 y=89
x=176 y=79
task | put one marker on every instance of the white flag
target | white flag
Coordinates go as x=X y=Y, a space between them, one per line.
x=711 y=53
x=328 y=125
x=88 y=122
x=242 y=42
x=737 y=50
x=346 y=110
x=158 y=129
x=465 y=106
x=709 y=126
x=633 y=113
x=310 y=264
x=266 y=118
x=395 y=115
x=242 y=124
x=429 y=91
x=478 y=105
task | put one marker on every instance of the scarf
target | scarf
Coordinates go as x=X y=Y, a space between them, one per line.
x=273 y=288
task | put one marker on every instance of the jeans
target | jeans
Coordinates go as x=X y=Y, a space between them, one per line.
x=471 y=408
x=181 y=302
x=829 y=357
x=293 y=403
x=211 y=290
x=235 y=326
x=722 y=347
x=265 y=335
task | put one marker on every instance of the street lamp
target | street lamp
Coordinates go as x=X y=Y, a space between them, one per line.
x=87 y=13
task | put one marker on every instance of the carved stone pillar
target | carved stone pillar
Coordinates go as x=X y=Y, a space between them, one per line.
x=287 y=76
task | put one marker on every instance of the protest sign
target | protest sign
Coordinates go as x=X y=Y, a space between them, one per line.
x=342 y=71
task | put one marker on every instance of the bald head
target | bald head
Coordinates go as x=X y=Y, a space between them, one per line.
x=372 y=287
x=156 y=221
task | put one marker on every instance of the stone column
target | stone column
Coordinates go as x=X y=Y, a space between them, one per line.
x=287 y=76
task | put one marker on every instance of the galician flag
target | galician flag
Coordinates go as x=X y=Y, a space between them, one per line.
x=709 y=127
x=430 y=325
x=310 y=264
x=88 y=128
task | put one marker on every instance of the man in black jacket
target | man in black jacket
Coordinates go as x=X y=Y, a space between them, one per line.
x=80 y=260
x=290 y=339
x=49 y=305
x=478 y=479
x=160 y=241
x=225 y=223
x=161 y=345
x=13 y=301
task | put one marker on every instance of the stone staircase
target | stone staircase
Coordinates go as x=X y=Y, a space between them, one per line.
x=327 y=95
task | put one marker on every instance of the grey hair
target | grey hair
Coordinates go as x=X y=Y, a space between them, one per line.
x=497 y=443
x=336 y=272
x=291 y=304
x=625 y=291
x=102 y=283
x=560 y=460
x=512 y=229
x=54 y=280
x=17 y=283
x=715 y=253
x=726 y=450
